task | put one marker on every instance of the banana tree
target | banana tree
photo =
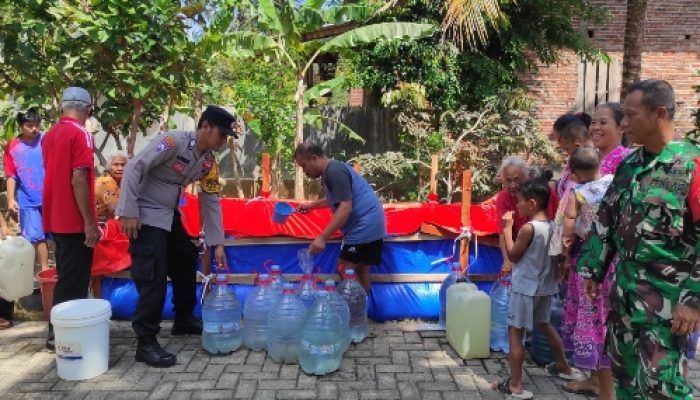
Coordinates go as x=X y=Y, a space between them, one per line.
x=284 y=26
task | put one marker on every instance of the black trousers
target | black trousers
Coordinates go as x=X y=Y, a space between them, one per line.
x=156 y=255
x=73 y=264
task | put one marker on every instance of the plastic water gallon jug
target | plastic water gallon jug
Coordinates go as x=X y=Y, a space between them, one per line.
x=340 y=305
x=307 y=291
x=277 y=280
x=255 y=310
x=500 y=302
x=449 y=280
x=285 y=321
x=16 y=268
x=221 y=318
x=320 y=351
x=356 y=297
x=468 y=320
x=539 y=347
x=306 y=262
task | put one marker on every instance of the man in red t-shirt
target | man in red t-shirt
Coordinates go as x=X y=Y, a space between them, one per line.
x=69 y=214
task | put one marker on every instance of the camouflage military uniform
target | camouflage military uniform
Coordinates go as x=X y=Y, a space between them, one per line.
x=645 y=219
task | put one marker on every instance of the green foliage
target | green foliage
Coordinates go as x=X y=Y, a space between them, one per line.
x=504 y=125
x=136 y=58
x=534 y=31
x=477 y=138
x=695 y=133
x=266 y=104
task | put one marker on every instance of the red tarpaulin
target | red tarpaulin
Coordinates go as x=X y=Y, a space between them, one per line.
x=253 y=218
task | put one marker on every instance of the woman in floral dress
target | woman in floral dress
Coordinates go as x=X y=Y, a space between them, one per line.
x=584 y=328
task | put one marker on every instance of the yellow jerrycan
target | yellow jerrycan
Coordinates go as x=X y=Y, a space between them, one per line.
x=468 y=320
x=16 y=268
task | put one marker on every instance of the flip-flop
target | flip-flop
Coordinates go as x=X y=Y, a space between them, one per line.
x=575 y=374
x=504 y=387
x=583 y=392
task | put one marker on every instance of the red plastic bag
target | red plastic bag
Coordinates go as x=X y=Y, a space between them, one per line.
x=111 y=253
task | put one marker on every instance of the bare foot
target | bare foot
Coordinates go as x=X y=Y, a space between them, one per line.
x=580 y=386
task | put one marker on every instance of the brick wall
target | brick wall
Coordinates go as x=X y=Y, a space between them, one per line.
x=671 y=52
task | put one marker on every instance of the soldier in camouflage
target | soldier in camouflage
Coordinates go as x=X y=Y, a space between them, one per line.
x=650 y=220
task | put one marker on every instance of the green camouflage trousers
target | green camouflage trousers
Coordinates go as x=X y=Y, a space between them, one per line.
x=648 y=361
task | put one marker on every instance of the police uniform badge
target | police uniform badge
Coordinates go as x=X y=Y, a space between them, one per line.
x=180 y=164
x=210 y=182
x=167 y=143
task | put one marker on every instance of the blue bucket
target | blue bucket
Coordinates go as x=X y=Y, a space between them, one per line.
x=282 y=212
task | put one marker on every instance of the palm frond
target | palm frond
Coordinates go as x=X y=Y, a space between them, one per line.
x=466 y=21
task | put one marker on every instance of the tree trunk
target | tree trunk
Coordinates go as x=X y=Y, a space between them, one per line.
x=277 y=182
x=133 y=130
x=198 y=105
x=634 y=42
x=165 y=116
x=234 y=165
x=299 y=136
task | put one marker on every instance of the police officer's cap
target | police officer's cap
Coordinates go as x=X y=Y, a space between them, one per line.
x=223 y=119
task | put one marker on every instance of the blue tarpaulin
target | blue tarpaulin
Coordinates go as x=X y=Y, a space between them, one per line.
x=388 y=301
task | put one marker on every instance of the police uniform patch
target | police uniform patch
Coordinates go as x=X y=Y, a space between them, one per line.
x=210 y=182
x=167 y=143
x=178 y=166
x=208 y=163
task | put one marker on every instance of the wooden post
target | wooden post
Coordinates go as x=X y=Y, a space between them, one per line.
x=466 y=218
x=265 y=192
x=433 y=173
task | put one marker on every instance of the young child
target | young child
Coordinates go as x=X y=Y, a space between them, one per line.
x=534 y=283
x=571 y=137
x=588 y=326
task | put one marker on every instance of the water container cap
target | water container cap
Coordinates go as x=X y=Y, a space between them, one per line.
x=221 y=278
x=275 y=269
x=349 y=271
x=263 y=280
x=287 y=288
x=329 y=286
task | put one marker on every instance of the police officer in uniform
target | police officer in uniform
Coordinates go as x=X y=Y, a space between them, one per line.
x=160 y=247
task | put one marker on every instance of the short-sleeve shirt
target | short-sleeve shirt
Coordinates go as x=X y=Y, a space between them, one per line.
x=366 y=222
x=25 y=163
x=66 y=147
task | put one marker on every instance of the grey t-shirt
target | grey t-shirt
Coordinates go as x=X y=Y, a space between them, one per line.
x=366 y=222
x=338 y=181
x=533 y=275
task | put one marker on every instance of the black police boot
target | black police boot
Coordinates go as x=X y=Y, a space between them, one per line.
x=50 y=340
x=150 y=352
x=186 y=326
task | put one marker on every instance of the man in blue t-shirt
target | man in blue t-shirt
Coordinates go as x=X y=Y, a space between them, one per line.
x=357 y=211
x=24 y=170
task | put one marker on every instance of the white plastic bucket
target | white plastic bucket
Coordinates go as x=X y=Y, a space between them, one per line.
x=82 y=338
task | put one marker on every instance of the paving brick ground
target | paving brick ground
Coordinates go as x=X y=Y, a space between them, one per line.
x=399 y=360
